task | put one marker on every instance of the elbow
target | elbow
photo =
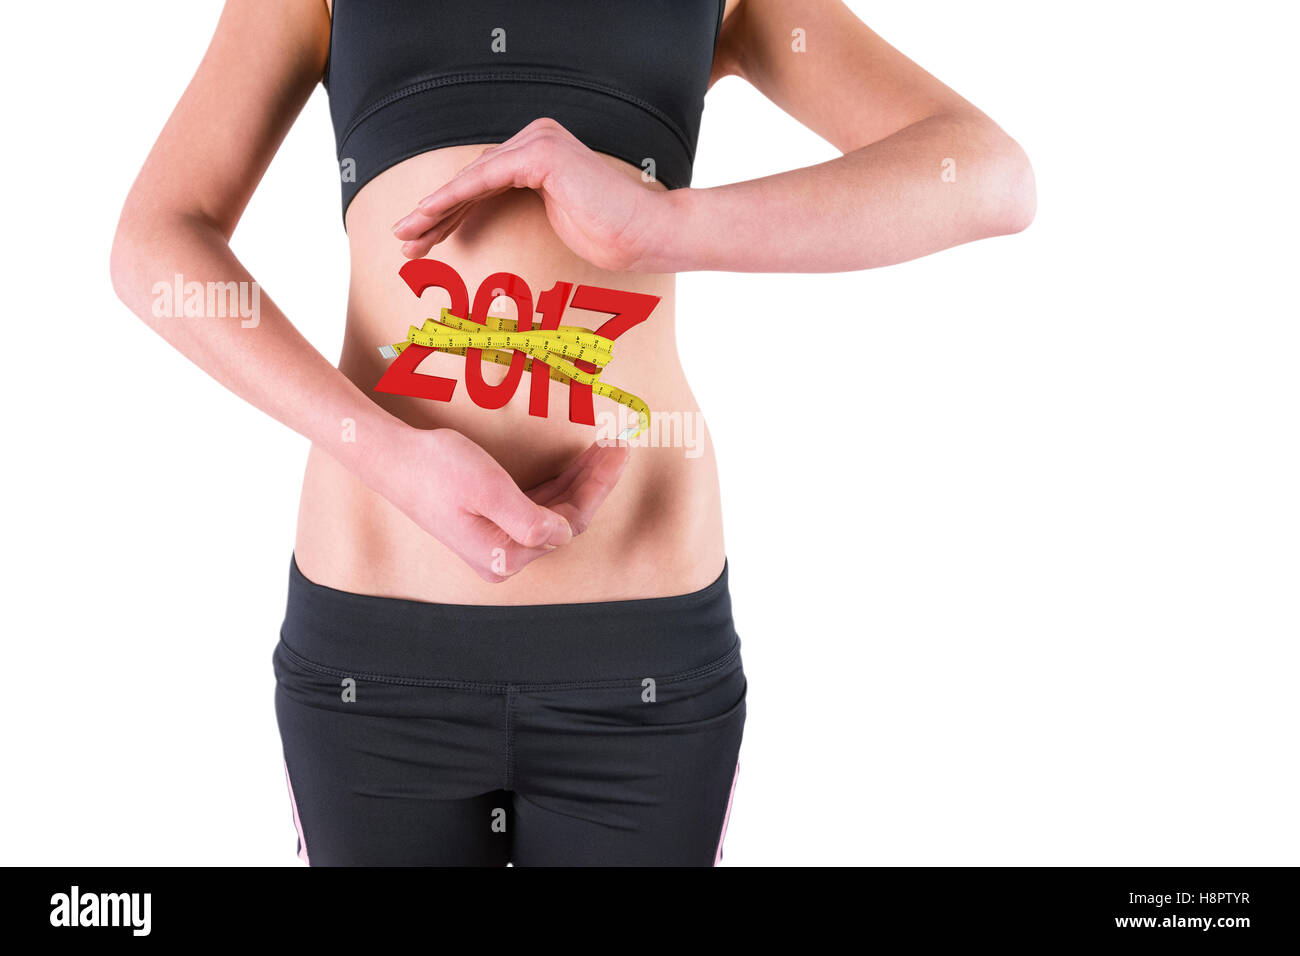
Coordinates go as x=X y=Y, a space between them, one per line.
x=998 y=196
x=125 y=261
x=1013 y=198
x=148 y=246
x=142 y=250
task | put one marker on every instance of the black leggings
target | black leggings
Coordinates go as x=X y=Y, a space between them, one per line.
x=420 y=734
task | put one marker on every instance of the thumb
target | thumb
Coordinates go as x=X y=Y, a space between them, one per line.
x=527 y=522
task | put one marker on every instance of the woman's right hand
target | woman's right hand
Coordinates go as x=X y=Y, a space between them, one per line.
x=457 y=492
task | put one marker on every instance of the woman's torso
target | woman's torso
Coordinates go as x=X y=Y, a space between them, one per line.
x=658 y=533
x=630 y=79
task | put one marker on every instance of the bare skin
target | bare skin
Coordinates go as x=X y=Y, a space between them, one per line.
x=450 y=502
x=659 y=530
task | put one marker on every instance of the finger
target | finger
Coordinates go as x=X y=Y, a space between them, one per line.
x=530 y=524
x=537 y=130
x=558 y=487
x=477 y=161
x=553 y=488
x=442 y=203
x=417 y=223
x=518 y=141
x=491 y=553
x=514 y=168
x=570 y=513
x=533 y=134
x=415 y=248
x=578 y=505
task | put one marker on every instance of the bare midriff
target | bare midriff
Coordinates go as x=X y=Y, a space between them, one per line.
x=658 y=533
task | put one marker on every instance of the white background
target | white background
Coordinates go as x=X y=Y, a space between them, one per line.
x=1022 y=591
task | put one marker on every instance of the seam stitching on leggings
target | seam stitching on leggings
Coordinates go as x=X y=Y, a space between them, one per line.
x=702 y=671
x=499 y=687
x=319 y=668
x=510 y=740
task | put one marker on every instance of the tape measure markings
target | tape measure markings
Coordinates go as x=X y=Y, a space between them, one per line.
x=552 y=347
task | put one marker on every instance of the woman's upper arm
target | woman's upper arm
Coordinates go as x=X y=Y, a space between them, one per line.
x=827 y=69
x=259 y=70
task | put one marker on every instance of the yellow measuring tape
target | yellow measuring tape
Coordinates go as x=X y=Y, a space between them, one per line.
x=558 y=348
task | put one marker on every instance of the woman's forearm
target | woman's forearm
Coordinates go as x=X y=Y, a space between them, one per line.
x=262 y=358
x=946 y=180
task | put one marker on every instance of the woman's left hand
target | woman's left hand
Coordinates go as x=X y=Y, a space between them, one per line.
x=602 y=214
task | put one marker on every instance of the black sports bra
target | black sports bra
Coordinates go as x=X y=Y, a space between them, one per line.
x=626 y=77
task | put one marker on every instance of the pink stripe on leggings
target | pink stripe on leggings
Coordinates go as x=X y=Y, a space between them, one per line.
x=726 y=819
x=297 y=823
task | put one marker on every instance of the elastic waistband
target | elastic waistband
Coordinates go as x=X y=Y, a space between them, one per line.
x=533 y=643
